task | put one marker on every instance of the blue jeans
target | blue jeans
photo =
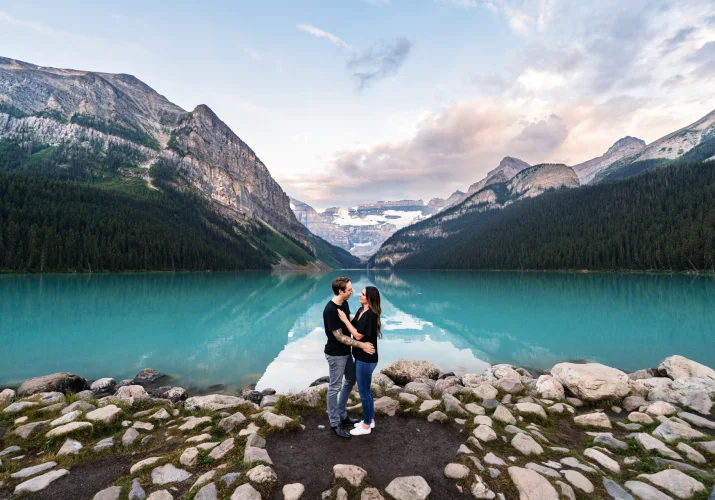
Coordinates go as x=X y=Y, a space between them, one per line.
x=363 y=372
x=337 y=405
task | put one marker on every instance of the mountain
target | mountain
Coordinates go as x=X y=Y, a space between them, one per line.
x=663 y=220
x=438 y=204
x=527 y=183
x=693 y=143
x=361 y=229
x=507 y=169
x=627 y=146
x=112 y=130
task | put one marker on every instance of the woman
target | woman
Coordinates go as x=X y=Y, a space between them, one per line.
x=365 y=326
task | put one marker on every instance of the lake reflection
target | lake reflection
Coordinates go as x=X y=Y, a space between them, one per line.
x=265 y=329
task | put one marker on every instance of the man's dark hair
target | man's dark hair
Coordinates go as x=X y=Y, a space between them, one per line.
x=340 y=284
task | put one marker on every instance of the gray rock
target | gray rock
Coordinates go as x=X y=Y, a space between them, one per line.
x=7 y=396
x=106 y=415
x=246 y=492
x=213 y=402
x=229 y=423
x=615 y=491
x=645 y=491
x=708 y=446
x=144 y=463
x=82 y=406
x=550 y=388
x=674 y=464
x=160 y=415
x=574 y=463
x=452 y=404
x=130 y=436
x=280 y=421
x=104 y=444
x=189 y=457
x=490 y=403
x=596 y=419
x=147 y=376
x=697 y=420
x=255 y=441
x=541 y=469
x=603 y=460
x=502 y=414
x=456 y=471
x=208 y=492
x=111 y=493
x=566 y=490
x=634 y=402
x=268 y=401
x=526 y=444
x=230 y=478
x=160 y=495
x=252 y=454
x=420 y=389
x=168 y=473
x=531 y=408
x=19 y=407
x=70 y=447
x=136 y=492
x=578 y=480
x=193 y=422
x=351 y=473
x=103 y=385
x=367 y=494
x=220 y=451
x=698 y=401
x=31 y=471
x=484 y=433
x=491 y=459
x=411 y=398
x=509 y=385
x=57 y=382
x=592 y=381
x=39 y=483
x=429 y=405
x=672 y=431
x=691 y=454
x=262 y=474
x=532 y=485
x=63 y=430
x=679 y=484
x=409 y=488
x=402 y=371
x=680 y=367
x=85 y=395
x=386 y=406
x=173 y=394
x=25 y=431
x=607 y=440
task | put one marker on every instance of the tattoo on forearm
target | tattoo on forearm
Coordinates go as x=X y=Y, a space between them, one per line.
x=341 y=337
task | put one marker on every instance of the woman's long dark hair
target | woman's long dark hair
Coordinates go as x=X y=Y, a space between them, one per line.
x=373 y=302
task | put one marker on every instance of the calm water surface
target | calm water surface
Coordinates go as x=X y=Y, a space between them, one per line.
x=240 y=329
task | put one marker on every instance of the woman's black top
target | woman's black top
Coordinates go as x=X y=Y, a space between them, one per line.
x=366 y=324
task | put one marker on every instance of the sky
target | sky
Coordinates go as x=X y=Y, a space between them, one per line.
x=355 y=101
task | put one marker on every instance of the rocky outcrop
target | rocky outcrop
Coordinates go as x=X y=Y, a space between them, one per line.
x=403 y=371
x=71 y=107
x=57 y=382
x=536 y=180
x=622 y=148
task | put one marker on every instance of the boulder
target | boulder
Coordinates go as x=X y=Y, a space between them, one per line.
x=78 y=406
x=25 y=431
x=679 y=484
x=221 y=450
x=262 y=474
x=596 y=419
x=189 y=457
x=649 y=443
x=280 y=421
x=689 y=385
x=31 y=471
x=130 y=436
x=532 y=485
x=103 y=385
x=386 y=406
x=111 y=493
x=19 y=407
x=208 y=492
x=677 y=367
x=661 y=408
x=144 y=463
x=697 y=401
x=402 y=371
x=293 y=491
x=253 y=454
x=603 y=460
x=63 y=430
x=615 y=490
x=409 y=488
x=213 y=402
x=254 y=396
x=57 y=382
x=445 y=383
x=634 y=402
x=456 y=471
x=193 y=422
x=419 y=389
x=66 y=418
x=592 y=381
x=351 y=473
x=484 y=433
x=7 y=396
x=437 y=416
x=147 y=376
x=310 y=397
x=70 y=447
x=550 y=388
x=246 y=492
x=173 y=394
x=452 y=404
x=484 y=391
x=670 y=432
x=526 y=444
x=502 y=414
x=578 y=480
x=39 y=483
x=645 y=491
x=691 y=454
x=137 y=492
x=106 y=415
x=509 y=385
x=531 y=408
x=168 y=473
x=229 y=423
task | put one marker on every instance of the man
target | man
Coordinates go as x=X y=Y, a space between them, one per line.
x=340 y=360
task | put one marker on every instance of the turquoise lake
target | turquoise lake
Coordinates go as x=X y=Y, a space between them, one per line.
x=265 y=329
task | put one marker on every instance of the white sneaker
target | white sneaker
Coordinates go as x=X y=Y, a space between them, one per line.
x=360 y=431
x=359 y=424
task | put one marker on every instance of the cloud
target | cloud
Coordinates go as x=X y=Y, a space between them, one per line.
x=378 y=3
x=450 y=149
x=253 y=54
x=677 y=40
x=704 y=59
x=464 y=4
x=335 y=40
x=379 y=61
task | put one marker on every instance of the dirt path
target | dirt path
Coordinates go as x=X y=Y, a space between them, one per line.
x=395 y=448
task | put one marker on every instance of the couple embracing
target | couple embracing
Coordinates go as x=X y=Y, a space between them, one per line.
x=347 y=339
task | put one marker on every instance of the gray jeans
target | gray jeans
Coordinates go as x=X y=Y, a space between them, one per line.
x=337 y=405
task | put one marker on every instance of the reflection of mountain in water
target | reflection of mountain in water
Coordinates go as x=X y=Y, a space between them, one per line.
x=538 y=319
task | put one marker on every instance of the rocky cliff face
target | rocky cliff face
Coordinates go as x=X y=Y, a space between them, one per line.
x=507 y=169
x=627 y=146
x=526 y=183
x=59 y=106
x=673 y=146
x=361 y=229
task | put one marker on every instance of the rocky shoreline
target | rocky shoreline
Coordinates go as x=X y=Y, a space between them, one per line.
x=578 y=431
